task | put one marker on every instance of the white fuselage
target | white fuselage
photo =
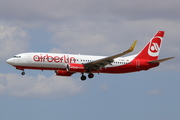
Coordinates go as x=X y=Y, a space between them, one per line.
x=59 y=61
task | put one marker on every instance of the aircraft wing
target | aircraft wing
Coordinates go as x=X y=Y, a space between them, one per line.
x=98 y=64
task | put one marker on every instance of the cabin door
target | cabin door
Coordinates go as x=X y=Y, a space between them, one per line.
x=137 y=64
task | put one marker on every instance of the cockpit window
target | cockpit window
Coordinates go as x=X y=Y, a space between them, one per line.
x=16 y=56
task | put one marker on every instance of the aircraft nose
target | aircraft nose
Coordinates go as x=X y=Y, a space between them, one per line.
x=10 y=61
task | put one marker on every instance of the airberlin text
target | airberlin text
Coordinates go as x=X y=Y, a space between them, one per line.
x=57 y=59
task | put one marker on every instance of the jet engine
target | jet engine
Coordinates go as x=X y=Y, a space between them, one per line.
x=63 y=73
x=74 y=67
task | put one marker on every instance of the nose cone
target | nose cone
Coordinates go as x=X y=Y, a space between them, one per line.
x=10 y=61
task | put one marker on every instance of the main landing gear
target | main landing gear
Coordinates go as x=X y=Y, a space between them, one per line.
x=83 y=77
x=90 y=75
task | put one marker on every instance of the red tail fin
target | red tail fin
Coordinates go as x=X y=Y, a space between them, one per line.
x=152 y=49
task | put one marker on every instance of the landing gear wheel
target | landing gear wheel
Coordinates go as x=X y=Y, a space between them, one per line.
x=83 y=77
x=23 y=73
x=91 y=75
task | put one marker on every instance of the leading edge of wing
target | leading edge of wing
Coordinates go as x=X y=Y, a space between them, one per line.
x=108 y=60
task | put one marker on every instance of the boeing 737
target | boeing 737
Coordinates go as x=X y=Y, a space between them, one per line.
x=68 y=64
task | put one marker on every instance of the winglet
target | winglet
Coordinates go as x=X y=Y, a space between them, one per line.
x=132 y=46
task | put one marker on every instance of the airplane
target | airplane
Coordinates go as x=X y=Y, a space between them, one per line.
x=68 y=64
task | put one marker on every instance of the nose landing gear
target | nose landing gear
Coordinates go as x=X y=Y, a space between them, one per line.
x=23 y=73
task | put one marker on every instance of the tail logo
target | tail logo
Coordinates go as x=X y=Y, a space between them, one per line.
x=154 y=46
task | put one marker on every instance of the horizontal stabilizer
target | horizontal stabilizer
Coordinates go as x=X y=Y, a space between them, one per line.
x=160 y=60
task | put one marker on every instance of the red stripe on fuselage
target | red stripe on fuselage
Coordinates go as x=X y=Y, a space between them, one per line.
x=127 y=68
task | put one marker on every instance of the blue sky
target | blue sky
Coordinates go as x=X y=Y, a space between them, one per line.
x=94 y=27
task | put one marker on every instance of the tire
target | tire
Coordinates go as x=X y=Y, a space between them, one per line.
x=83 y=77
x=23 y=73
x=91 y=75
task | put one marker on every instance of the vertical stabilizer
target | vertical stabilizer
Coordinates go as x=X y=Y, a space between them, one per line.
x=152 y=48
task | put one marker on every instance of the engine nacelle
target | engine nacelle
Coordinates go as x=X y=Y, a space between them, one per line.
x=74 y=67
x=63 y=73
